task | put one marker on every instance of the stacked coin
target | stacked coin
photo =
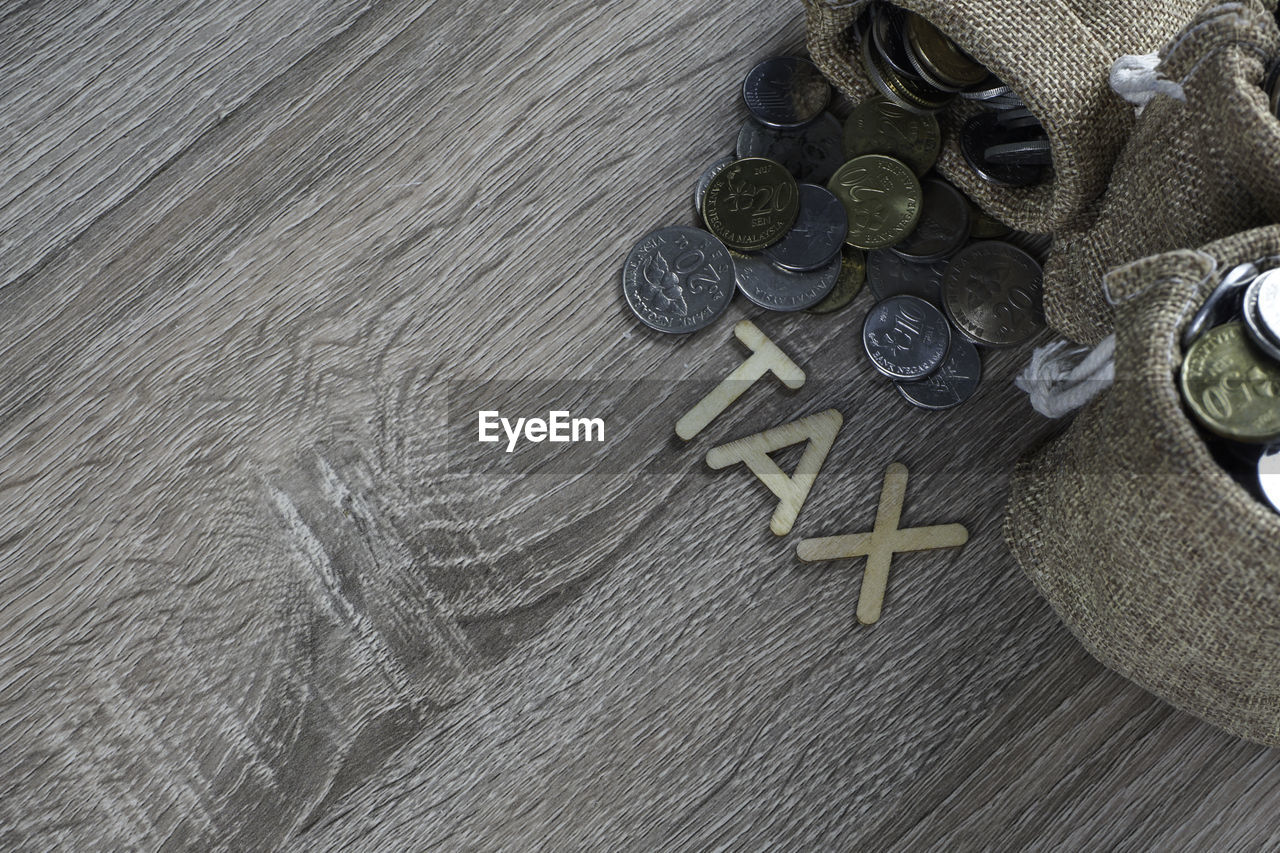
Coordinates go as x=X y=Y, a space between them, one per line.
x=916 y=67
x=1230 y=377
x=807 y=208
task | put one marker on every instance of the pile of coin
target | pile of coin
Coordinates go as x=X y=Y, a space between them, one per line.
x=808 y=207
x=916 y=66
x=1230 y=377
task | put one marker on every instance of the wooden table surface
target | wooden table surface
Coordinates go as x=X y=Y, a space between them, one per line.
x=259 y=586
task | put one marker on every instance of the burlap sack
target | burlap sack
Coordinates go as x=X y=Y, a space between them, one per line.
x=1166 y=569
x=1057 y=55
x=1195 y=169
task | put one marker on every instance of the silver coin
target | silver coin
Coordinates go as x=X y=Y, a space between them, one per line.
x=1032 y=152
x=700 y=191
x=992 y=292
x=811 y=153
x=819 y=232
x=779 y=290
x=1007 y=101
x=980 y=133
x=1268 y=304
x=905 y=337
x=786 y=91
x=992 y=88
x=955 y=380
x=888 y=34
x=1269 y=477
x=1223 y=303
x=889 y=274
x=1251 y=309
x=678 y=279
x=943 y=226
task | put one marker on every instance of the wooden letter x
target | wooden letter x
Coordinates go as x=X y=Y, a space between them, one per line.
x=882 y=543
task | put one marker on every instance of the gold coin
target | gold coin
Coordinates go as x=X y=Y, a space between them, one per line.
x=751 y=204
x=853 y=272
x=1231 y=387
x=941 y=56
x=880 y=127
x=881 y=196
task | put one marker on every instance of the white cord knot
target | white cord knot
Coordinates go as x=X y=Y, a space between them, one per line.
x=1136 y=78
x=1062 y=378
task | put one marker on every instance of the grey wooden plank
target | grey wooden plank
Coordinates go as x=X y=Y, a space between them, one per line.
x=100 y=96
x=255 y=590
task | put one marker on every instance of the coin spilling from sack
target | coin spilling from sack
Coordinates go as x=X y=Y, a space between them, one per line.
x=917 y=68
x=1230 y=377
x=807 y=208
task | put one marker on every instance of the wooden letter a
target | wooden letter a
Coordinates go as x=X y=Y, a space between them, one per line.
x=819 y=430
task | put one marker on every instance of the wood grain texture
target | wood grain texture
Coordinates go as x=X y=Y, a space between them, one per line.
x=257 y=592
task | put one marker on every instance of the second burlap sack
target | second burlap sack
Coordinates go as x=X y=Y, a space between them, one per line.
x=1201 y=163
x=1056 y=55
x=1165 y=567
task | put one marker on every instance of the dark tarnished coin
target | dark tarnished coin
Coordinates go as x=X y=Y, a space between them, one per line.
x=881 y=196
x=1222 y=305
x=1260 y=308
x=1033 y=152
x=941 y=56
x=751 y=203
x=861 y=25
x=786 y=91
x=984 y=226
x=700 y=191
x=1018 y=119
x=889 y=274
x=992 y=293
x=1035 y=245
x=678 y=279
x=980 y=133
x=906 y=338
x=819 y=232
x=943 y=226
x=952 y=383
x=779 y=290
x=1271 y=85
x=811 y=153
x=853 y=272
x=877 y=126
x=1230 y=387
